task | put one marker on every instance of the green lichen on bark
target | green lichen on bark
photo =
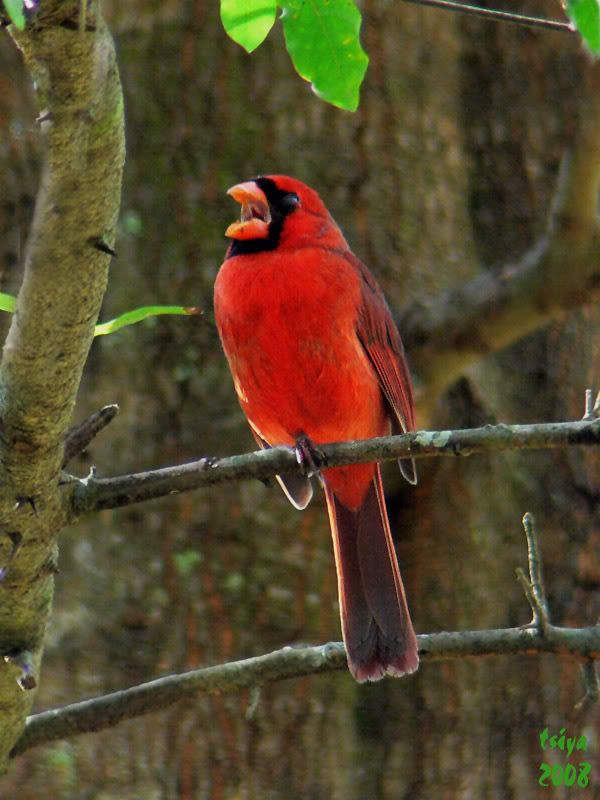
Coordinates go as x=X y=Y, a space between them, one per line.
x=81 y=116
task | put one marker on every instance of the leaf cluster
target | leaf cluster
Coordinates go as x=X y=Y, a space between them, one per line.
x=321 y=36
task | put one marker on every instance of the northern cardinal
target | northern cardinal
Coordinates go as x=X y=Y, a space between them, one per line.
x=316 y=357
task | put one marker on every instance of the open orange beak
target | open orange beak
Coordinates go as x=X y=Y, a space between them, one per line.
x=255 y=216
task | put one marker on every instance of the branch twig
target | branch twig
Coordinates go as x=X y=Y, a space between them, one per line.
x=496 y=16
x=93 y=494
x=81 y=435
x=591 y=683
x=289 y=662
x=534 y=587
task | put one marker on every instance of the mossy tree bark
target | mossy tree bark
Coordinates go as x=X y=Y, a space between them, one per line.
x=46 y=347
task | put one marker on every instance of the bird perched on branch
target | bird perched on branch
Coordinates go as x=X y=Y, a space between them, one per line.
x=316 y=357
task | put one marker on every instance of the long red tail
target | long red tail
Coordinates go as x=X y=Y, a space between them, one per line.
x=376 y=624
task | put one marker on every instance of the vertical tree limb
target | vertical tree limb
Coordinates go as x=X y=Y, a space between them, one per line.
x=65 y=277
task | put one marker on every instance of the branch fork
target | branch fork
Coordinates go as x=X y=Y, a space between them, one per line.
x=534 y=587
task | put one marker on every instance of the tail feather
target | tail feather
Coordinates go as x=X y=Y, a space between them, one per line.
x=376 y=624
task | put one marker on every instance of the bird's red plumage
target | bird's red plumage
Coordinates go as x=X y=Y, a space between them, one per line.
x=314 y=352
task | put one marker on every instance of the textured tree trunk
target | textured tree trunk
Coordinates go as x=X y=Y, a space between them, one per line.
x=448 y=169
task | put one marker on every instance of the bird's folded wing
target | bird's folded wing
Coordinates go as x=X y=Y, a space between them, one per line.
x=381 y=341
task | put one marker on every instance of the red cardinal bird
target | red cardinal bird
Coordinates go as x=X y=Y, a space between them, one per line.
x=316 y=357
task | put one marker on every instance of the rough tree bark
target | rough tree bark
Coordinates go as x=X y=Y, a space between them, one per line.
x=64 y=280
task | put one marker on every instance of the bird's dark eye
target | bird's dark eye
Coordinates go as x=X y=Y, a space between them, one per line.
x=290 y=201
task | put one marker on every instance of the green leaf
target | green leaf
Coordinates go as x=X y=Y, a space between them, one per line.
x=7 y=302
x=585 y=15
x=137 y=315
x=322 y=38
x=248 y=22
x=14 y=9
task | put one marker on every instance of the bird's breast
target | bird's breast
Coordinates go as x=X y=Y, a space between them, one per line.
x=288 y=326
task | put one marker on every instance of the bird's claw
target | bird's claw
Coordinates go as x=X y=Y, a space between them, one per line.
x=308 y=456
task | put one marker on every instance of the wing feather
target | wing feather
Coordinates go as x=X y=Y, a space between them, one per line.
x=381 y=340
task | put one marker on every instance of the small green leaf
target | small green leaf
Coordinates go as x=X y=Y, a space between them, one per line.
x=14 y=9
x=248 y=22
x=585 y=15
x=322 y=38
x=7 y=302
x=137 y=315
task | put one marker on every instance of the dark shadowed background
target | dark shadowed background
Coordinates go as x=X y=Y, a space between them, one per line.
x=447 y=169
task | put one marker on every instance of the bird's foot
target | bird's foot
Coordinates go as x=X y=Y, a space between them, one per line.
x=310 y=458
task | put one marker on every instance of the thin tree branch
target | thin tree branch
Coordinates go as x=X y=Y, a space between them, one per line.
x=589 y=404
x=289 y=662
x=534 y=587
x=496 y=16
x=592 y=407
x=79 y=437
x=93 y=494
x=589 y=673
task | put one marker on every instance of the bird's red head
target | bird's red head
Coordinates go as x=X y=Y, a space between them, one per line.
x=279 y=211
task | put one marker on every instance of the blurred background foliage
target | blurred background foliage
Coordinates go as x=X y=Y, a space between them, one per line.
x=447 y=169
